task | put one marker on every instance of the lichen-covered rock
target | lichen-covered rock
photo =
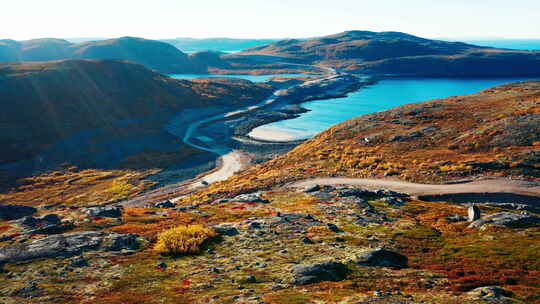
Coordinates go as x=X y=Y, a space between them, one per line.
x=249 y=197
x=226 y=230
x=383 y=258
x=507 y=219
x=68 y=244
x=165 y=204
x=492 y=294
x=312 y=188
x=47 y=224
x=104 y=211
x=318 y=272
x=13 y=212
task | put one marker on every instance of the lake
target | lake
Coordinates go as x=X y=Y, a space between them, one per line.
x=381 y=96
x=253 y=78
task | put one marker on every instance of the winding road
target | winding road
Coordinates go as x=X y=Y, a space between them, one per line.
x=484 y=190
x=231 y=162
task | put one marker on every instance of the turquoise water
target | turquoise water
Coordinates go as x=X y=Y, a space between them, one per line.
x=381 y=96
x=515 y=44
x=253 y=78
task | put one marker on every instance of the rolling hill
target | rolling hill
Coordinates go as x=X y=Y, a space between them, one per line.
x=156 y=55
x=395 y=53
x=40 y=109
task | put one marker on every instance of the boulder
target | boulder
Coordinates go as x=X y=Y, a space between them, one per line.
x=226 y=230
x=165 y=204
x=492 y=294
x=69 y=244
x=474 y=213
x=393 y=201
x=318 y=272
x=382 y=258
x=47 y=224
x=250 y=197
x=507 y=219
x=312 y=188
x=14 y=212
x=104 y=211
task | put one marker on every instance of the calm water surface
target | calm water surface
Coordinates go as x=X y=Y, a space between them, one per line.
x=381 y=96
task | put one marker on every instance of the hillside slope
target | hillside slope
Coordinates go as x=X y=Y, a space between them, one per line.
x=40 y=109
x=403 y=54
x=495 y=132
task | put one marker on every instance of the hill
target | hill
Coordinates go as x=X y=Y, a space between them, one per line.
x=402 y=54
x=153 y=54
x=39 y=109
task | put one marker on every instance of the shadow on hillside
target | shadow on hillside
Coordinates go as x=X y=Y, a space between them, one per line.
x=95 y=149
x=501 y=197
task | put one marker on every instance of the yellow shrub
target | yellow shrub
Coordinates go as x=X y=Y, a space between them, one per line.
x=183 y=239
x=318 y=229
x=454 y=168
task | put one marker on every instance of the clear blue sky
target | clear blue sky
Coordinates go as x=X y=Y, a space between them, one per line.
x=25 y=19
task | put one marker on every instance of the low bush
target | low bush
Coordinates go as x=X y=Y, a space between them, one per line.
x=183 y=239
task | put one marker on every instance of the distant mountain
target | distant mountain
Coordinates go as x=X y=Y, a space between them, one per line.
x=157 y=55
x=216 y=44
x=403 y=54
x=43 y=102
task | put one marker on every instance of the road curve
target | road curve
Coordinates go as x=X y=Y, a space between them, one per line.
x=231 y=161
x=484 y=186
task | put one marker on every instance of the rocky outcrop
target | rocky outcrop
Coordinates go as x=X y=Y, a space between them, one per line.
x=318 y=272
x=507 y=219
x=47 y=224
x=492 y=294
x=68 y=244
x=383 y=258
x=13 y=212
x=104 y=211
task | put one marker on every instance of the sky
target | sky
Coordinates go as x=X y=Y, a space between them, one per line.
x=157 y=19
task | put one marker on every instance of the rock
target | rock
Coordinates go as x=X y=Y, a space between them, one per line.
x=251 y=279
x=68 y=244
x=104 y=211
x=473 y=213
x=79 y=262
x=165 y=204
x=390 y=193
x=31 y=288
x=454 y=218
x=13 y=212
x=392 y=201
x=383 y=258
x=318 y=272
x=333 y=227
x=250 y=197
x=162 y=265
x=507 y=219
x=353 y=192
x=307 y=240
x=255 y=225
x=313 y=188
x=492 y=293
x=47 y=224
x=226 y=230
